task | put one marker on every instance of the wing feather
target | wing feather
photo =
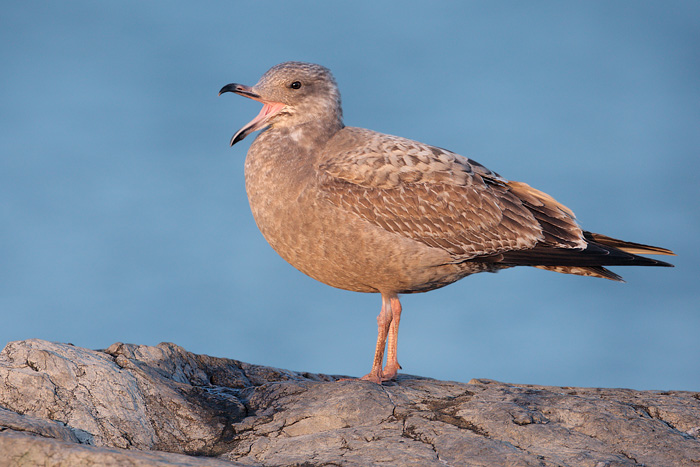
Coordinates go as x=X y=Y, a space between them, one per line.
x=439 y=198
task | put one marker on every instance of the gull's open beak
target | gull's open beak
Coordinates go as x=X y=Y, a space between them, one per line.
x=268 y=111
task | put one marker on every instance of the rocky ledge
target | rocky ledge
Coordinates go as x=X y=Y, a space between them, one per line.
x=139 y=405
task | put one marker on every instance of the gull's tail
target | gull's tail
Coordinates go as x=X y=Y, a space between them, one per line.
x=601 y=251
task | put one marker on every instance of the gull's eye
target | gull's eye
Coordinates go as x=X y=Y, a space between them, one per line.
x=295 y=85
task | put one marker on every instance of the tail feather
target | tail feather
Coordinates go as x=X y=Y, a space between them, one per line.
x=600 y=251
x=628 y=247
x=590 y=271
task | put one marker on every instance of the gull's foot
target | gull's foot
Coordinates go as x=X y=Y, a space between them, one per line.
x=375 y=376
x=378 y=376
x=390 y=371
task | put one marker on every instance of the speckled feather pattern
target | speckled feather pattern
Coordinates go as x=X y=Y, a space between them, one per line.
x=438 y=198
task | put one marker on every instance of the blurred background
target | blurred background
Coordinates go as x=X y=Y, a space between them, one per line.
x=123 y=214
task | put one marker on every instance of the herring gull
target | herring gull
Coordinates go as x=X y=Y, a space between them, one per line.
x=370 y=212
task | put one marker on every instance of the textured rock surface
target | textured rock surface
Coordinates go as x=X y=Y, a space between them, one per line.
x=140 y=405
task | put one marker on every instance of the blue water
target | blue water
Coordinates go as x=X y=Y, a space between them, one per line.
x=124 y=217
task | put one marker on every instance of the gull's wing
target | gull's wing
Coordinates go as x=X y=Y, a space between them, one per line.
x=439 y=198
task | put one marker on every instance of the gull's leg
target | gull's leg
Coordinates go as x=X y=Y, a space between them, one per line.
x=383 y=324
x=392 y=364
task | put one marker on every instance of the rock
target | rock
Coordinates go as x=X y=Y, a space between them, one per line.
x=141 y=405
x=19 y=449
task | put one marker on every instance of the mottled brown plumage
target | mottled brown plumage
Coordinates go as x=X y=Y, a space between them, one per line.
x=369 y=212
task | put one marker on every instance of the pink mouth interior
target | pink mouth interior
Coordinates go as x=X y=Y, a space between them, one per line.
x=269 y=109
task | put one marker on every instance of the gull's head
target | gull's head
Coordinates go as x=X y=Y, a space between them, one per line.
x=292 y=93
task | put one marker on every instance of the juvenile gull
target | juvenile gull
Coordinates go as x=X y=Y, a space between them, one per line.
x=369 y=212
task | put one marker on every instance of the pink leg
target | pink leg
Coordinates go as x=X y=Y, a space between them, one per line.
x=392 y=364
x=383 y=323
